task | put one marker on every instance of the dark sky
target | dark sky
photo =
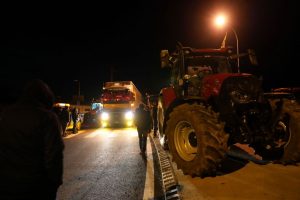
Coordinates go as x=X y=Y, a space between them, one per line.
x=63 y=43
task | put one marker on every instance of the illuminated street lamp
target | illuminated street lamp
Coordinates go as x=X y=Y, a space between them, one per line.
x=221 y=21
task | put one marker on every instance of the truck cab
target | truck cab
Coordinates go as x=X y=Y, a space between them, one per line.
x=119 y=100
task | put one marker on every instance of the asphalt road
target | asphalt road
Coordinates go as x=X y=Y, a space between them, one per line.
x=106 y=164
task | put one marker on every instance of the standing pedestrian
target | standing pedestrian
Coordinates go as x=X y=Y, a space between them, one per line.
x=65 y=119
x=154 y=119
x=74 y=119
x=143 y=124
x=31 y=146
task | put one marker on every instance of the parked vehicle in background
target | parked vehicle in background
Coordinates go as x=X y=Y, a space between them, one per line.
x=92 y=118
x=70 y=124
x=290 y=90
x=119 y=100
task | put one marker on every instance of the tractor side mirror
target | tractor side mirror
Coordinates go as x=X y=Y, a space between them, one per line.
x=164 y=58
x=252 y=57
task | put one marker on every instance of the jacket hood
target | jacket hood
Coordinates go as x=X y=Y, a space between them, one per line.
x=38 y=92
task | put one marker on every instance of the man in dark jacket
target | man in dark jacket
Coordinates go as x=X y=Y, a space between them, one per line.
x=74 y=114
x=31 y=146
x=64 y=119
x=154 y=119
x=143 y=123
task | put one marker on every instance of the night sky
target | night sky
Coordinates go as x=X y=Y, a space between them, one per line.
x=94 y=43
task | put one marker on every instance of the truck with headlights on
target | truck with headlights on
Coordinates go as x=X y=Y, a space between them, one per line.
x=119 y=100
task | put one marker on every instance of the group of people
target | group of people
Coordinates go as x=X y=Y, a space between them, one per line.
x=65 y=116
x=31 y=145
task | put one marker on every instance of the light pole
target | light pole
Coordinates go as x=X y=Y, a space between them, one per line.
x=237 y=49
x=220 y=21
x=78 y=97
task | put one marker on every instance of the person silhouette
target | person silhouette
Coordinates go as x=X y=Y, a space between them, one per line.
x=154 y=119
x=31 y=146
x=65 y=119
x=143 y=123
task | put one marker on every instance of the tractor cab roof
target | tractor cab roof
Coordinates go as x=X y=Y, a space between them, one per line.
x=207 y=51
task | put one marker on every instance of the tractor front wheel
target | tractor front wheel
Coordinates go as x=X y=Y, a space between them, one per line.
x=196 y=139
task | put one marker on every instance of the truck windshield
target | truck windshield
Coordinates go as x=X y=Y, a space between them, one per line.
x=117 y=96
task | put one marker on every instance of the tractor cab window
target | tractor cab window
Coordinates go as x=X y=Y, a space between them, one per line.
x=207 y=65
x=224 y=66
x=175 y=74
x=200 y=70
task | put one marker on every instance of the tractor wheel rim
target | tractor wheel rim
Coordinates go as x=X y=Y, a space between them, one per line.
x=185 y=141
x=286 y=136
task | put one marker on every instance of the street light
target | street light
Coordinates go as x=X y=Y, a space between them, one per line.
x=221 y=21
x=78 y=98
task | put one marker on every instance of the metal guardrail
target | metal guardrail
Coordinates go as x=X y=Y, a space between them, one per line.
x=170 y=182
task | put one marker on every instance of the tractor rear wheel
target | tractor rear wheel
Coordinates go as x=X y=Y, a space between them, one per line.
x=196 y=139
x=289 y=122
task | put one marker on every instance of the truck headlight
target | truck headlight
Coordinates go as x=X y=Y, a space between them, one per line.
x=129 y=115
x=104 y=116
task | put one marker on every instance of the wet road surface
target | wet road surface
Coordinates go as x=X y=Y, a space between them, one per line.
x=106 y=164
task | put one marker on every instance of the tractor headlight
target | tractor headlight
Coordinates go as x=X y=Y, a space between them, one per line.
x=239 y=97
x=129 y=115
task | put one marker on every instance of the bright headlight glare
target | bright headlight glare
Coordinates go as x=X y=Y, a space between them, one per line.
x=104 y=116
x=128 y=115
x=129 y=123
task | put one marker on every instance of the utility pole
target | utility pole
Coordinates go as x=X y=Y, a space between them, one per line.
x=112 y=72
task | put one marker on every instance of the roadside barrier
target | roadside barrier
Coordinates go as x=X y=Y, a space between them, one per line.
x=170 y=182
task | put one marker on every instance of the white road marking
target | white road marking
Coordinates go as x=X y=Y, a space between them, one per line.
x=149 y=182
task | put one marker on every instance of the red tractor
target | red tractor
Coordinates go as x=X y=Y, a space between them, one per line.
x=210 y=107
